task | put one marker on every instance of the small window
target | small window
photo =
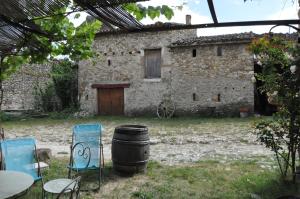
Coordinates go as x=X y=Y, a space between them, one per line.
x=194 y=52
x=219 y=51
x=216 y=98
x=109 y=62
x=152 y=64
x=195 y=97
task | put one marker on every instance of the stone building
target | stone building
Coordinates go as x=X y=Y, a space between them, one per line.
x=135 y=71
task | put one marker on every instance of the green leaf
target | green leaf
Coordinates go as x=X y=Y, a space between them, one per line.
x=77 y=16
x=167 y=12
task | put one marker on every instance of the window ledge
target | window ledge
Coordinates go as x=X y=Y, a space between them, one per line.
x=153 y=80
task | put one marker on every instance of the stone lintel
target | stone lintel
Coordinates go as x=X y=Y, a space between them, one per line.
x=123 y=85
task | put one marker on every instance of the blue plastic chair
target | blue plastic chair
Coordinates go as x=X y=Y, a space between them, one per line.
x=86 y=149
x=20 y=155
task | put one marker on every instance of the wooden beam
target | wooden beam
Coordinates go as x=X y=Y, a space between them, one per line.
x=121 y=85
x=20 y=26
x=212 y=11
x=209 y=25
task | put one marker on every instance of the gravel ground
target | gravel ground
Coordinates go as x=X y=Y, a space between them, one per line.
x=169 y=144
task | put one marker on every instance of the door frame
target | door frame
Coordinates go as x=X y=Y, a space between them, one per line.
x=110 y=86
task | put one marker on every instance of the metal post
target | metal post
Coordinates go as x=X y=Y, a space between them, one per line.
x=299 y=23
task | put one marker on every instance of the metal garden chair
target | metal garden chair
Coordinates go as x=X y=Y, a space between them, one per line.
x=20 y=155
x=2 y=135
x=86 y=150
x=73 y=189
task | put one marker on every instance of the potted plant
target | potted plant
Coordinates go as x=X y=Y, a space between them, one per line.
x=244 y=111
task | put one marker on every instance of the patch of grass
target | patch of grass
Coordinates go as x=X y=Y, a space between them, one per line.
x=210 y=179
x=207 y=179
x=54 y=119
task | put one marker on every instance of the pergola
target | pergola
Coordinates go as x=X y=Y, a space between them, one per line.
x=17 y=19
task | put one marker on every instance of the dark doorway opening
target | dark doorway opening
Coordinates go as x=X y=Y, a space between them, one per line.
x=261 y=103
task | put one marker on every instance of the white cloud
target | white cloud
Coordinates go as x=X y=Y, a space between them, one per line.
x=287 y=13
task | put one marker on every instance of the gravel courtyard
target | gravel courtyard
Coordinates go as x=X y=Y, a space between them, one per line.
x=174 y=141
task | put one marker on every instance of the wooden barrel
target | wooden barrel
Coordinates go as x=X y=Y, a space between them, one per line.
x=130 y=149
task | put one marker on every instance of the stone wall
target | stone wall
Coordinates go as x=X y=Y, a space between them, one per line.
x=198 y=85
x=19 y=87
x=209 y=82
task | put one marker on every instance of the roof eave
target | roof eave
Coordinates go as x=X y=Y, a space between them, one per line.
x=212 y=43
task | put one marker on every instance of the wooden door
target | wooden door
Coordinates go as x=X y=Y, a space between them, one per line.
x=111 y=101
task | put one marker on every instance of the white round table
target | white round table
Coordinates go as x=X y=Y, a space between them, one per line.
x=13 y=183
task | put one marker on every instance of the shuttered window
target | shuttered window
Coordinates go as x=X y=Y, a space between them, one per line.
x=153 y=63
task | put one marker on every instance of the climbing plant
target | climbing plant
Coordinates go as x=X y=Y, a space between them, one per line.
x=141 y=12
x=280 y=61
x=64 y=76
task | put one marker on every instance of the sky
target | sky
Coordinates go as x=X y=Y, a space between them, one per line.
x=230 y=10
x=227 y=11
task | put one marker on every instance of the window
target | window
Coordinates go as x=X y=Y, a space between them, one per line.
x=195 y=97
x=219 y=51
x=219 y=98
x=194 y=52
x=153 y=63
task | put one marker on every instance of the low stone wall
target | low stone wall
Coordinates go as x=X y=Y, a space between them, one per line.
x=19 y=87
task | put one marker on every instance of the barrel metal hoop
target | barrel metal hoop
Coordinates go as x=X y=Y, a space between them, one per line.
x=132 y=142
x=131 y=129
x=130 y=163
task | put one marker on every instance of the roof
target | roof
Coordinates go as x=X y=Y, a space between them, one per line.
x=204 y=40
x=225 y=39
x=158 y=26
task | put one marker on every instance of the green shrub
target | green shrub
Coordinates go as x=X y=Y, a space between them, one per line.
x=45 y=98
x=4 y=116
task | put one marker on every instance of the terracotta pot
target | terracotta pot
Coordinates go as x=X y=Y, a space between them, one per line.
x=244 y=109
x=244 y=112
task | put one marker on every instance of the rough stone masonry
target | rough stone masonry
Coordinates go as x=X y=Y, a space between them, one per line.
x=19 y=88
